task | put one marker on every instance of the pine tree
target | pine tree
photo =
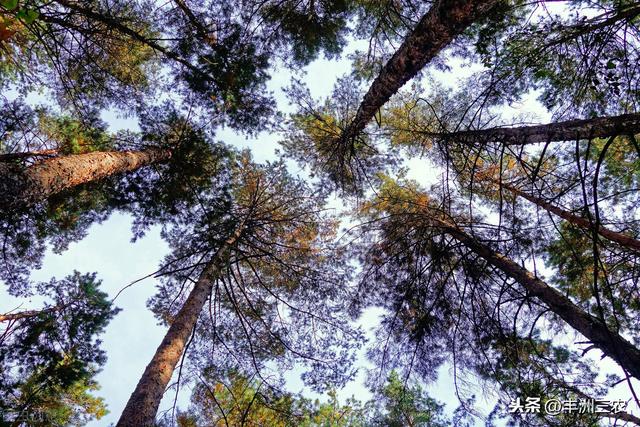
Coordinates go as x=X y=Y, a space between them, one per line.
x=444 y=21
x=451 y=294
x=48 y=357
x=238 y=400
x=151 y=194
x=51 y=176
x=256 y=249
x=145 y=400
x=254 y=281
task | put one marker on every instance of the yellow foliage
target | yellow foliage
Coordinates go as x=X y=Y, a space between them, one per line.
x=322 y=129
x=394 y=197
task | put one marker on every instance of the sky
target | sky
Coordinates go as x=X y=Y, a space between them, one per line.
x=133 y=335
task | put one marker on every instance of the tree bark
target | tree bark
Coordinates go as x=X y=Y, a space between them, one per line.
x=572 y=130
x=578 y=221
x=438 y=27
x=24 y=188
x=143 y=404
x=609 y=342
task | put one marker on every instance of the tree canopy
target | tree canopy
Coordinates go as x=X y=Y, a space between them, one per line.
x=473 y=177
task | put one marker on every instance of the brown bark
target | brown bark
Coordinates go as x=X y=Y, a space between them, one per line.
x=143 y=404
x=609 y=342
x=438 y=27
x=572 y=130
x=578 y=221
x=23 y=188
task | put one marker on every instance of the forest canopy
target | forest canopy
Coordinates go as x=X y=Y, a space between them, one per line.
x=433 y=203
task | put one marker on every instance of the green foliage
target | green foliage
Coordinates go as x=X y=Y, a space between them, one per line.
x=73 y=405
x=578 y=64
x=333 y=414
x=405 y=405
x=313 y=138
x=310 y=26
x=405 y=117
x=13 y=20
x=150 y=195
x=48 y=360
x=230 y=78
x=9 y=4
x=282 y=295
x=25 y=128
x=282 y=256
x=77 y=55
x=620 y=171
x=533 y=367
x=71 y=136
x=384 y=24
x=154 y=196
x=238 y=400
x=571 y=254
x=27 y=16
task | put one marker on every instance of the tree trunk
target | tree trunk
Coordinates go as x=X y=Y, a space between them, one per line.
x=445 y=20
x=578 y=221
x=143 y=404
x=572 y=130
x=609 y=342
x=23 y=188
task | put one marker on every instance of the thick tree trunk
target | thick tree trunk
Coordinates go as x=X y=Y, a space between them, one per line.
x=23 y=188
x=445 y=20
x=572 y=130
x=143 y=404
x=611 y=343
x=578 y=221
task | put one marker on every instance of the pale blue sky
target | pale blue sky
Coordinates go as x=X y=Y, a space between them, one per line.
x=133 y=335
